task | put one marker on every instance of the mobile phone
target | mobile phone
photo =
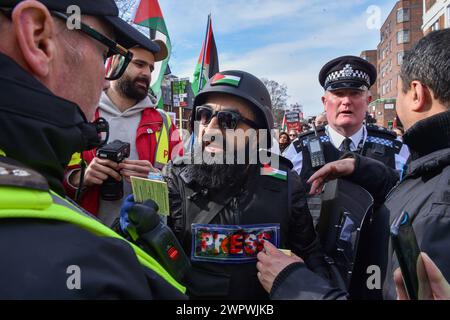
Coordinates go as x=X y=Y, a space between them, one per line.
x=407 y=250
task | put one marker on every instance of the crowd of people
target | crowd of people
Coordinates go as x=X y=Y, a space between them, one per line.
x=242 y=209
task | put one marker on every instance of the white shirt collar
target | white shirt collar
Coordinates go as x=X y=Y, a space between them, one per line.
x=337 y=139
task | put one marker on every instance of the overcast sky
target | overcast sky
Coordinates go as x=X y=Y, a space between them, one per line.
x=284 y=40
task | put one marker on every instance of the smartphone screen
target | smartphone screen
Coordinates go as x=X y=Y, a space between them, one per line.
x=408 y=252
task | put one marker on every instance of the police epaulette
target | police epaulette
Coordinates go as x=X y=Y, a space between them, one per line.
x=18 y=176
x=298 y=143
x=381 y=130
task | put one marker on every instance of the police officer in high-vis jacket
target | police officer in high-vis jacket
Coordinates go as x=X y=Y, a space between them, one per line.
x=223 y=213
x=346 y=81
x=51 y=77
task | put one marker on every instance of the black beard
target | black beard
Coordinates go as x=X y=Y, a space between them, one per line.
x=130 y=90
x=216 y=176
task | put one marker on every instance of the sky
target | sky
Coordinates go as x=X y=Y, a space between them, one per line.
x=283 y=40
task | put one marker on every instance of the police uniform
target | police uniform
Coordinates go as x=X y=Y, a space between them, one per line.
x=50 y=248
x=348 y=72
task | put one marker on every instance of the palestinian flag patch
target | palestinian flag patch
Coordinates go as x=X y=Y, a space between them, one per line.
x=272 y=172
x=220 y=79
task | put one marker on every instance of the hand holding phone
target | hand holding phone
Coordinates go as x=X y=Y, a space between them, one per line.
x=407 y=250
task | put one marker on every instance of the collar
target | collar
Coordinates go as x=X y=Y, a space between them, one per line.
x=37 y=128
x=428 y=135
x=337 y=139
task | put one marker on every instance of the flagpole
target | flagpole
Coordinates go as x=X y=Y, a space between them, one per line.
x=204 y=52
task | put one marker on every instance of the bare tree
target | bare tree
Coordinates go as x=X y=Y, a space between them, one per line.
x=279 y=96
x=125 y=9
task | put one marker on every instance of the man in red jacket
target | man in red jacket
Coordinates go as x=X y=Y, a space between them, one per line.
x=132 y=118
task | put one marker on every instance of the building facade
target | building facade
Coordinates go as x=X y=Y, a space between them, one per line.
x=371 y=56
x=401 y=30
x=436 y=15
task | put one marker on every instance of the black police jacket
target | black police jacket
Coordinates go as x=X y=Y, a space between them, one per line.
x=41 y=131
x=424 y=192
x=259 y=200
x=380 y=145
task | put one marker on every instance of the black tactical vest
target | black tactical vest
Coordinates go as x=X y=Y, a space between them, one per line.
x=380 y=144
x=261 y=200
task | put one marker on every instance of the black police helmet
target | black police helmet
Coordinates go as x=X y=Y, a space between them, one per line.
x=241 y=84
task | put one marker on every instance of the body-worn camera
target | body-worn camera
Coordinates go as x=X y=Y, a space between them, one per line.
x=116 y=151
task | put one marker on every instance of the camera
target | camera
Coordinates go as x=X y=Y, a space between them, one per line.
x=116 y=151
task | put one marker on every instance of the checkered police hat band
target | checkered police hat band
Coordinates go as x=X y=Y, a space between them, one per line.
x=347 y=73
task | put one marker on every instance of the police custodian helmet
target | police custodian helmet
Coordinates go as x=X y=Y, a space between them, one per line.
x=241 y=84
x=347 y=72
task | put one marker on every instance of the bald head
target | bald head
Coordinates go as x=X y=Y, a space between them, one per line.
x=68 y=62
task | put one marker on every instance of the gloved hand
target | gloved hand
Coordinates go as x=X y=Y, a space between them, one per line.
x=138 y=218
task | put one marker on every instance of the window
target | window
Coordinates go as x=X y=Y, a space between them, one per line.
x=402 y=15
x=448 y=17
x=403 y=36
x=400 y=56
x=435 y=26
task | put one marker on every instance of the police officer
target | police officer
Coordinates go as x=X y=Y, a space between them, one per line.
x=51 y=78
x=346 y=81
x=423 y=191
x=259 y=202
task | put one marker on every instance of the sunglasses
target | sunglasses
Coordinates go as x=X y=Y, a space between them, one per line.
x=121 y=57
x=227 y=119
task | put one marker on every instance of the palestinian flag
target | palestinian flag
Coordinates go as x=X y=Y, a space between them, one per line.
x=208 y=62
x=148 y=14
x=267 y=170
x=284 y=124
x=225 y=79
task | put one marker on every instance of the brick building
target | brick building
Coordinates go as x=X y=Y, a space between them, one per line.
x=401 y=30
x=371 y=56
x=436 y=15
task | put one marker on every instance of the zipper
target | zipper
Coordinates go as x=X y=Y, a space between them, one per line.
x=236 y=211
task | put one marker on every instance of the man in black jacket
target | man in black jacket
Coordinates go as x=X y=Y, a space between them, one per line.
x=51 y=77
x=222 y=210
x=423 y=189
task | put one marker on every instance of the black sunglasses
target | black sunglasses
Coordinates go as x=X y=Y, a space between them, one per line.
x=121 y=56
x=227 y=119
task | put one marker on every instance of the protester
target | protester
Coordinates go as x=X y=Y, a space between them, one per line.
x=293 y=134
x=51 y=78
x=210 y=198
x=321 y=120
x=132 y=118
x=284 y=141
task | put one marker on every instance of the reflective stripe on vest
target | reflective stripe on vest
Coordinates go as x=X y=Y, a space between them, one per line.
x=162 y=144
x=34 y=204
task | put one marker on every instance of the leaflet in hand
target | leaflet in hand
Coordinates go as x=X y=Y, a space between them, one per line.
x=146 y=189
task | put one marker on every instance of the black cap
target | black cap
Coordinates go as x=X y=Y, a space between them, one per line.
x=347 y=72
x=126 y=35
